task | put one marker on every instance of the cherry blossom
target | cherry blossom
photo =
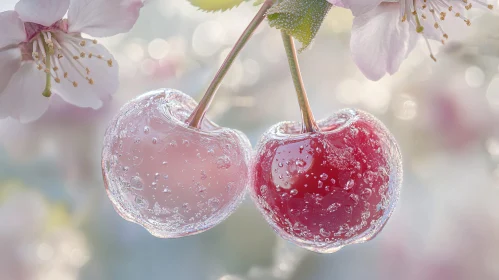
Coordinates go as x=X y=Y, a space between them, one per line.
x=42 y=53
x=385 y=32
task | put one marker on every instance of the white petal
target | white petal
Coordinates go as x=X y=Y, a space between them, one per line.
x=358 y=7
x=10 y=61
x=12 y=29
x=105 y=79
x=102 y=18
x=8 y=5
x=380 y=41
x=44 y=12
x=22 y=99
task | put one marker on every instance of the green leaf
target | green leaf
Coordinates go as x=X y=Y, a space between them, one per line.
x=215 y=5
x=301 y=19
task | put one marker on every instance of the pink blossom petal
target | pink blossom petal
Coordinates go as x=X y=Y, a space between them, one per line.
x=358 y=7
x=8 y=5
x=381 y=41
x=44 y=12
x=102 y=18
x=12 y=29
x=22 y=99
x=10 y=61
x=104 y=78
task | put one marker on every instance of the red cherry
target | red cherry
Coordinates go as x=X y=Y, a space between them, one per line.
x=330 y=188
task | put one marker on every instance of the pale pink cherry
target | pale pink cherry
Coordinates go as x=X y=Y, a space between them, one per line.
x=42 y=53
x=385 y=32
x=173 y=179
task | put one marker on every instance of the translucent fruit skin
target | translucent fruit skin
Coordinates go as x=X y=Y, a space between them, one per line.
x=328 y=189
x=172 y=179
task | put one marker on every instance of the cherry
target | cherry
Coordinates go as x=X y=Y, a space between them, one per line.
x=168 y=168
x=325 y=189
x=171 y=178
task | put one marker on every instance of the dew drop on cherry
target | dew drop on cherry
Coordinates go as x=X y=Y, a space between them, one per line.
x=348 y=180
x=172 y=179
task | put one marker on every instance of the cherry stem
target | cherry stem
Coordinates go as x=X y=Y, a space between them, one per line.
x=198 y=114
x=309 y=124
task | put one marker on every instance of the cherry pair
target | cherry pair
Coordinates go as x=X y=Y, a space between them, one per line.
x=321 y=190
x=321 y=185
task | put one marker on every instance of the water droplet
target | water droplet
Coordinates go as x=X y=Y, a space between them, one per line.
x=320 y=184
x=355 y=198
x=230 y=187
x=349 y=185
x=293 y=192
x=280 y=164
x=156 y=176
x=146 y=129
x=125 y=168
x=141 y=202
x=136 y=183
x=324 y=232
x=333 y=181
x=203 y=175
x=264 y=189
x=323 y=176
x=202 y=190
x=366 y=194
x=223 y=162
x=156 y=209
x=214 y=203
x=186 y=143
x=167 y=190
x=165 y=163
x=300 y=163
x=154 y=140
x=333 y=207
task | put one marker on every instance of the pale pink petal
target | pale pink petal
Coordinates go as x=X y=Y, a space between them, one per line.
x=22 y=99
x=380 y=41
x=44 y=12
x=13 y=31
x=8 y=5
x=358 y=7
x=10 y=61
x=105 y=79
x=101 y=18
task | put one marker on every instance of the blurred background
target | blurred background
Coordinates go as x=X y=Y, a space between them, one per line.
x=56 y=222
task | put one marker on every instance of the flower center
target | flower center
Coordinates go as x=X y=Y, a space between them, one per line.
x=55 y=52
x=434 y=12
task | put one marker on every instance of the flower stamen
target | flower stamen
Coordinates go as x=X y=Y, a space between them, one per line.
x=413 y=12
x=48 y=78
x=49 y=48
